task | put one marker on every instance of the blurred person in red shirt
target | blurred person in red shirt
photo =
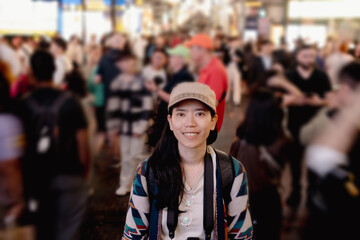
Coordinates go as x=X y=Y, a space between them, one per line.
x=211 y=71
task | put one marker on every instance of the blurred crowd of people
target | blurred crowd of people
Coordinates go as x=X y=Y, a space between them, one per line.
x=62 y=101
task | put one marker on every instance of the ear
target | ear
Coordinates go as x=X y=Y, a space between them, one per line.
x=170 y=122
x=214 y=121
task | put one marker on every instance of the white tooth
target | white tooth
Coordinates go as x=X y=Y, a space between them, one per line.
x=190 y=134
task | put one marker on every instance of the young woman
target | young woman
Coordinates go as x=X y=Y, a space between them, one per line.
x=178 y=192
x=262 y=146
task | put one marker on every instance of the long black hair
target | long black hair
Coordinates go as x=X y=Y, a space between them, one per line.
x=263 y=119
x=165 y=164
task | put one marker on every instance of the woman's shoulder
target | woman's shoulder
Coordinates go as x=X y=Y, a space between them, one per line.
x=142 y=168
x=236 y=164
x=238 y=167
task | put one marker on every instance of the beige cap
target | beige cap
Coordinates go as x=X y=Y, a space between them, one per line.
x=193 y=90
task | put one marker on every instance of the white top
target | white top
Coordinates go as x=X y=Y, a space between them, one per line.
x=62 y=66
x=75 y=52
x=190 y=223
x=149 y=73
x=267 y=61
x=322 y=160
x=8 y=55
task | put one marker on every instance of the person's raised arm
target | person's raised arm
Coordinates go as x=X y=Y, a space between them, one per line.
x=293 y=95
x=330 y=148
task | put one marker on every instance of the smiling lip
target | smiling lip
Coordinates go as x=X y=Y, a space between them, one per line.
x=190 y=134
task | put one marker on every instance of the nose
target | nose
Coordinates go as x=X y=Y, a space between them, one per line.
x=190 y=121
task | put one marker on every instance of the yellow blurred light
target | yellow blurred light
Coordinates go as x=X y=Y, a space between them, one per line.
x=253 y=4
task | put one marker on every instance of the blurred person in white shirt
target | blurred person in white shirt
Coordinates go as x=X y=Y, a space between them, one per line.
x=62 y=63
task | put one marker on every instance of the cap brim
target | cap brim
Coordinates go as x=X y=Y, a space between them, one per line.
x=172 y=52
x=190 y=98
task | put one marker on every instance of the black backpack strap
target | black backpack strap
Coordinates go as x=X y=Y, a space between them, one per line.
x=151 y=184
x=58 y=103
x=227 y=170
x=208 y=196
x=54 y=107
x=172 y=220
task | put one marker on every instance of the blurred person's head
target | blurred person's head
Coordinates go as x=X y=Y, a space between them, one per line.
x=43 y=44
x=95 y=54
x=201 y=47
x=344 y=47
x=305 y=57
x=263 y=118
x=218 y=42
x=266 y=47
x=118 y=41
x=158 y=58
x=349 y=79
x=16 y=42
x=58 y=46
x=127 y=63
x=74 y=39
x=42 y=66
x=93 y=38
x=179 y=56
x=160 y=41
x=75 y=83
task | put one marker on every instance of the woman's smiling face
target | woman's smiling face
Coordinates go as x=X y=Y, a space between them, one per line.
x=191 y=123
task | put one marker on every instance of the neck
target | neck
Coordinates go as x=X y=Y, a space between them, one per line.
x=265 y=54
x=304 y=72
x=193 y=156
x=156 y=67
x=205 y=61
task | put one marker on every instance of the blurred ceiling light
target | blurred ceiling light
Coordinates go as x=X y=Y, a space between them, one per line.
x=253 y=4
x=329 y=9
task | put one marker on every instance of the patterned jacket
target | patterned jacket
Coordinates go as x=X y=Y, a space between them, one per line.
x=235 y=223
x=129 y=106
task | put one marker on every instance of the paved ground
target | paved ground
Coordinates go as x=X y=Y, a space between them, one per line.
x=107 y=212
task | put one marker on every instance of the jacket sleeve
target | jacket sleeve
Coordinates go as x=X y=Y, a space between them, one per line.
x=140 y=127
x=113 y=110
x=238 y=215
x=138 y=213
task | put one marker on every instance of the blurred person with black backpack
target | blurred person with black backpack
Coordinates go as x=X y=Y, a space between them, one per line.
x=56 y=160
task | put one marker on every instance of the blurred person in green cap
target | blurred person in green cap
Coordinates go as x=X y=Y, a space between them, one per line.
x=179 y=57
